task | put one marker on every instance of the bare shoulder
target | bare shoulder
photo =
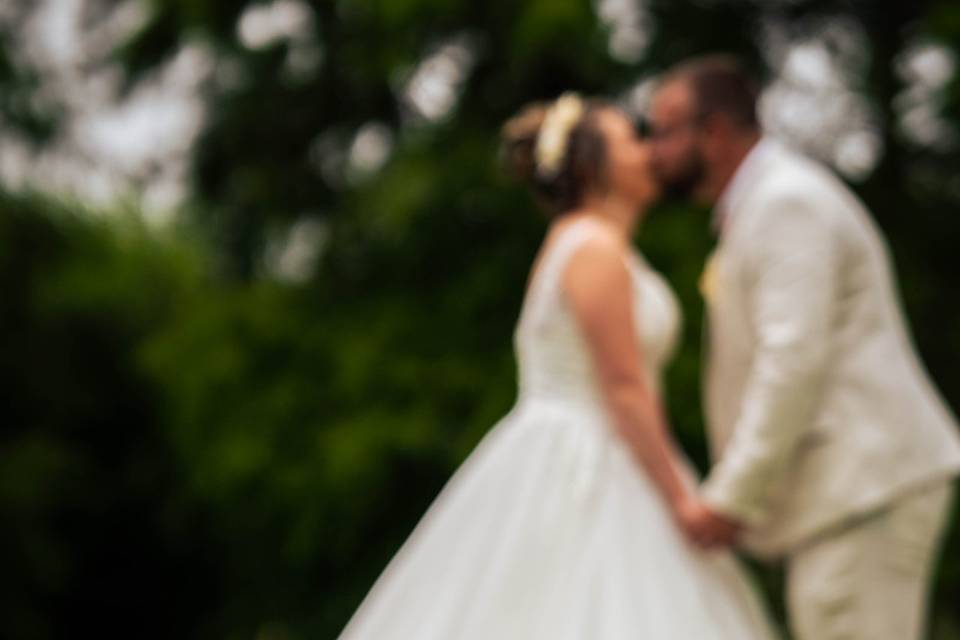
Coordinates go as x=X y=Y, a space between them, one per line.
x=597 y=267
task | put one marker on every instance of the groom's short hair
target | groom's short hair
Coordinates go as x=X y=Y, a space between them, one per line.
x=720 y=84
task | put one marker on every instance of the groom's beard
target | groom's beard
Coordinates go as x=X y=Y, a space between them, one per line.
x=682 y=184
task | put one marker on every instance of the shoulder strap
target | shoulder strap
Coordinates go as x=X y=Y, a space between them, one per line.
x=546 y=281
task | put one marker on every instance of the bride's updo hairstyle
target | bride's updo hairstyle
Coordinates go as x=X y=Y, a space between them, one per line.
x=558 y=149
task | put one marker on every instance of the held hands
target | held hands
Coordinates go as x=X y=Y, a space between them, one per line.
x=705 y=527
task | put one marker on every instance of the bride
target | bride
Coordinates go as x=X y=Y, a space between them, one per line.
x=567 y=521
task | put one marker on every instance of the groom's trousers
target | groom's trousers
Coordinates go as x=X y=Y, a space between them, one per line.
x=870 y=579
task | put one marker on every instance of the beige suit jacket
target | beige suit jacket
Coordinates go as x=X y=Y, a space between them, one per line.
x=818 y=407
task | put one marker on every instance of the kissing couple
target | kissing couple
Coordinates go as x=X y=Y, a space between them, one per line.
x=577 y=516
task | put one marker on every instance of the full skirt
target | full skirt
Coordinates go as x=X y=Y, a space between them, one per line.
x=551 y=530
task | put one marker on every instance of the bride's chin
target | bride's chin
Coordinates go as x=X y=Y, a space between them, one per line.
x=646 y=200
x=640 y=211
x=643 y=205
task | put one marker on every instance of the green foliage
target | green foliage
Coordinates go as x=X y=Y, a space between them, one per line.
x=88 y=474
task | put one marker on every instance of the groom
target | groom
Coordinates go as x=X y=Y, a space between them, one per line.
x=832 y=448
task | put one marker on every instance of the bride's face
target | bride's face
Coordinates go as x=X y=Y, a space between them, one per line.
x=628 y=171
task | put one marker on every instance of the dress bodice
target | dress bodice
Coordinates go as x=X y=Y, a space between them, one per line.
x=552 y=356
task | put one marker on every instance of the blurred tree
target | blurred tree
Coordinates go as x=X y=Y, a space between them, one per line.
x=92 y=508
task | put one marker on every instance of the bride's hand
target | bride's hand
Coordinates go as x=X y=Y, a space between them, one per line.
x=705 y=527
x=688 y=511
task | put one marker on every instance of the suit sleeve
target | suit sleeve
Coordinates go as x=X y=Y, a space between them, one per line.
x=790 y=276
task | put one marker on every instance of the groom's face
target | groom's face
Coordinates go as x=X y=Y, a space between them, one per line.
x=675 y=134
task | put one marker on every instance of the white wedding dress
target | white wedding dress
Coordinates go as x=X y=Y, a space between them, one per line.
x=551 y=530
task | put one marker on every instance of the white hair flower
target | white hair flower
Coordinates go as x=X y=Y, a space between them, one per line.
x=554 y=134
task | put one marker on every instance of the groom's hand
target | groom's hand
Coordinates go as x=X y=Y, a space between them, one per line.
x=708 y=528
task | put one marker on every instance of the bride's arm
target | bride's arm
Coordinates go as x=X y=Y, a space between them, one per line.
x=599 y=289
